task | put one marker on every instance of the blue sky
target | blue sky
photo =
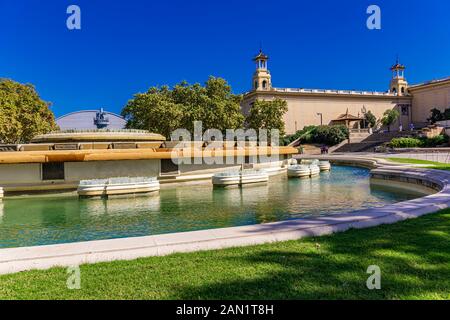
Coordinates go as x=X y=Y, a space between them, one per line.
x=125 y=47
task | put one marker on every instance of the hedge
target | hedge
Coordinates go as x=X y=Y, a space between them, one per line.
x=418 y=142
x=329 y=135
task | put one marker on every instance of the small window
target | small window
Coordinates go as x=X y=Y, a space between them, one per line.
x=53 y=171
x=394 y=90
x=264 y=84
x=405 y=110
x=256 y=84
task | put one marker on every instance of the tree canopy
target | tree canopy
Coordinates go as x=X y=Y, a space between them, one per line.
x=438 y=115
x=370 y=119
x=389 y=117
x=23 y=114
x=164 y=109
x=267 y=114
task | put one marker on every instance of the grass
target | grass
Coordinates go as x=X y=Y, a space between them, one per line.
x=414 y=161
x=414 y=257
x=425 y=163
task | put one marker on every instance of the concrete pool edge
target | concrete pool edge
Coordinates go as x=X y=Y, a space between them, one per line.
x=69 y=254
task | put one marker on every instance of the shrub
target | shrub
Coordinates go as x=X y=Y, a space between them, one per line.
x=304 y=133
x=419 y=142
x=330 y=135
x=406 y=143
x=435 y=141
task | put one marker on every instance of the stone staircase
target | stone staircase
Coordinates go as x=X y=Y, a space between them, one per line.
x=365 y=142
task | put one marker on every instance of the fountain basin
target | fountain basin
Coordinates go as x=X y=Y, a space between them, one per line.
x=117 y=186
x=299 y=171
x=225 y=179
x=324 y=165
x=314 y=170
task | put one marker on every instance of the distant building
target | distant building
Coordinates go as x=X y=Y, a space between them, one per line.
x=322 y=106
x=91 y=119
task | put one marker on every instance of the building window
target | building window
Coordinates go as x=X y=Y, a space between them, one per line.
x=405 y=109
x=394 y=90
x=264 y=84
x=53 y=171
x=256 y=84
x=403 y=89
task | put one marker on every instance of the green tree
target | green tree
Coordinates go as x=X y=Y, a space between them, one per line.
x=154 y=111
x=370 y=118
x=389 y=117
x=265 y=114
x=446 y=114
x=165 y=109
x=436 y=115
x=23 y=114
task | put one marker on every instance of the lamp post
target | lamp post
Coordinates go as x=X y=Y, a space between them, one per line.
x=321 y=118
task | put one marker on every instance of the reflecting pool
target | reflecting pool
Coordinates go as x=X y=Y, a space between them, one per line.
x=48 y=220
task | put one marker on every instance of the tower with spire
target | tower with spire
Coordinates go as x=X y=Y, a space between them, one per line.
x=398 y=84
x=261 y=78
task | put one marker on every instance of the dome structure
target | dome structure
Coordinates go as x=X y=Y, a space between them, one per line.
x=91 y=120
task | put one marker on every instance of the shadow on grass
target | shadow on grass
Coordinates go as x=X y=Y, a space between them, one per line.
x=414 y=257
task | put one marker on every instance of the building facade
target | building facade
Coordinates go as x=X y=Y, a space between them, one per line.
x=319 y=106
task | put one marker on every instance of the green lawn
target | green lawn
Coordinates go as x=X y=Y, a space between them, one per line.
x=414 y=161
x=414 y=257
x=425 y=163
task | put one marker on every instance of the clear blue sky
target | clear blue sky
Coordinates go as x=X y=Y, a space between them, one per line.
x=125 y=47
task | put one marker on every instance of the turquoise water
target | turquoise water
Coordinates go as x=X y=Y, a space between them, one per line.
x=40 y=221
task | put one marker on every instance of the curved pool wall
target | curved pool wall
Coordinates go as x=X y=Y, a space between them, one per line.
x=41 y=257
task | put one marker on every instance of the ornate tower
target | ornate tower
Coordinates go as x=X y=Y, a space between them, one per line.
x=398 y=85
x=261 y=77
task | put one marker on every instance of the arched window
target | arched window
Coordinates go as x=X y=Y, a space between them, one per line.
x=256 y=84
x=403 y=89
x=264 y=84
x=394 y=90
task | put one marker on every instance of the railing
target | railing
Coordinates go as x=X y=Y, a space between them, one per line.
x=100 y=130
x=343 y=92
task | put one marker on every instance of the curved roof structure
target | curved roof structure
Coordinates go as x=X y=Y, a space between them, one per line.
x=98 y=135
x=90 y=120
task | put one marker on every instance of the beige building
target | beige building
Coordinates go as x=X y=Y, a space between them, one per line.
x=319 y=106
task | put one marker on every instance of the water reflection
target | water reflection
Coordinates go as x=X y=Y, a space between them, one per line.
x=33 y=221
x=120 y=205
